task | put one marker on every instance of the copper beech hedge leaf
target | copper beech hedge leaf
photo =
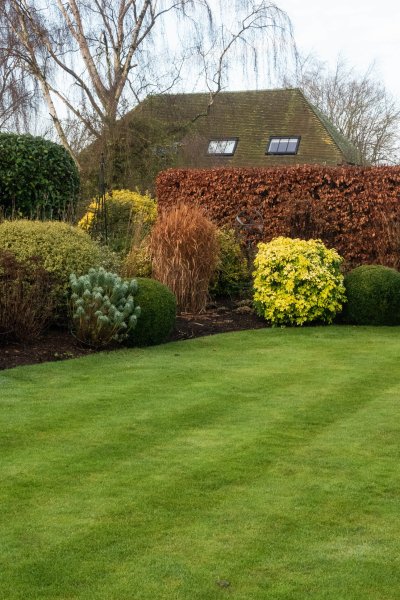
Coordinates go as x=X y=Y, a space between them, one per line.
x=355 y=210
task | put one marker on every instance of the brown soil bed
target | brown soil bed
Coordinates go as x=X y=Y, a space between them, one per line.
x=59 y=344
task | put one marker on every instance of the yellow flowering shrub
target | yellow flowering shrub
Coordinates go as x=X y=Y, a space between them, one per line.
x=126 y=210
x=297 y=282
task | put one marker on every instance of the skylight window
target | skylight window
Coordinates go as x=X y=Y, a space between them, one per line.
x=283 y=145
x=222 y=147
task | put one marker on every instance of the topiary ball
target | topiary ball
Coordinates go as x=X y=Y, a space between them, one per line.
x=373 y=296
x=157 y=313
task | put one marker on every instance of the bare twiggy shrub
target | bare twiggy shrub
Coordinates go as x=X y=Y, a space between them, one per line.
x=185 y=251
x=26 y=301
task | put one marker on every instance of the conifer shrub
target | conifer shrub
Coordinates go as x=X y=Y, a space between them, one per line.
x=158 y=313
x=185 y=252
x=38 y=178
x=125 y=213
x=62 y=249
x=103 y=307
x=232 y=275
x=373 y=296
x=297 y=282
x=26 y=300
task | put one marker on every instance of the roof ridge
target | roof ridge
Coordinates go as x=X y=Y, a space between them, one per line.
x=340 y=141
x=255 y=91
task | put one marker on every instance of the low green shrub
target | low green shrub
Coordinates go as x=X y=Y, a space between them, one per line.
x=128 y=214
x=38 y=178
x=103 y=307
x=62 y=248
x=26 y=301
x=232 y=275
x=373 y=296
x=297 y=282
x=137 y=263
x=158 y=313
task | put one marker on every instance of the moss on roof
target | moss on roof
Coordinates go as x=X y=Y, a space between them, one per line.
x=252 y=117
x=346 y=147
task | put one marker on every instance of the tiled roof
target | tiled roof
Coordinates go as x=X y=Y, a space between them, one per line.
x=252 y=117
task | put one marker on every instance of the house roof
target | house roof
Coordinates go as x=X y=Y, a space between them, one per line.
x=347 y=148
x=252 y=117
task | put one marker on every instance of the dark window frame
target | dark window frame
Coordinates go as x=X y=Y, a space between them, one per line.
x=222 y=139
x=280 y=137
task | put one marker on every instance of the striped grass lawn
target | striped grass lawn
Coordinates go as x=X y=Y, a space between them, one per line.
x=254 y=465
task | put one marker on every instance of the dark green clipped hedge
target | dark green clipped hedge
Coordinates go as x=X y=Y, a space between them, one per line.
x=158 y=313
x=373 y=296
x=38 y=178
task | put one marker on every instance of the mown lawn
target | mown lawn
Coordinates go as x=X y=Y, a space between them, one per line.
x=254 y=465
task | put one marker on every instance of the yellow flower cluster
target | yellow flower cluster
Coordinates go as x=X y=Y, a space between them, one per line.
x=297 y=281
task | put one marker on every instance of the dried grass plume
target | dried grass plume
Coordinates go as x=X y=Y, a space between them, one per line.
x=185 y=251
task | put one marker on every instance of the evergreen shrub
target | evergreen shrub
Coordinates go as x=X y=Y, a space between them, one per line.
x=232 y=273
x=62 y=248
x=158 y=313
x=38 y=178
x=297 y=282
x=126 y=213
x=137 y=262
x=103 y=306
x=373 y=296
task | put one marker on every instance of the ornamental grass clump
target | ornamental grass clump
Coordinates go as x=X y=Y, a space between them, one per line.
x=297 y=281
x=185 y=252
x=103 y=307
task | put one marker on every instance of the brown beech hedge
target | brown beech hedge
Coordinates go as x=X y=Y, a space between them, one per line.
x=353 y=209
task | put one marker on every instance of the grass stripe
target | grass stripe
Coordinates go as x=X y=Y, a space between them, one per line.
x=267 y=458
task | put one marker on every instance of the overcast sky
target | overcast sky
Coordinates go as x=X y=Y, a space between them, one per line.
x=362 y=31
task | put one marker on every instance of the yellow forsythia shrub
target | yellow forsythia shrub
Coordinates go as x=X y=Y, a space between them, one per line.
x=125 y=212
x=297 y=281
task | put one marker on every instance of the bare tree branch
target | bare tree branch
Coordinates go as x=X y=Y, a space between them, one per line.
x=358 y=105
x=94 y=59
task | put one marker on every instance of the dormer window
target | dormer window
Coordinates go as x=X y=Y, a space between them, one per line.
x=224 y=147
x=283 y=145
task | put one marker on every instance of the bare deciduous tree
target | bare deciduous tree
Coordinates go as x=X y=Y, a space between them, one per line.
x=358 y=105
x=17 y=90
x=95 y=59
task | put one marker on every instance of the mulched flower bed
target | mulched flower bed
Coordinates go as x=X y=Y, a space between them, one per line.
x=59 y=344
